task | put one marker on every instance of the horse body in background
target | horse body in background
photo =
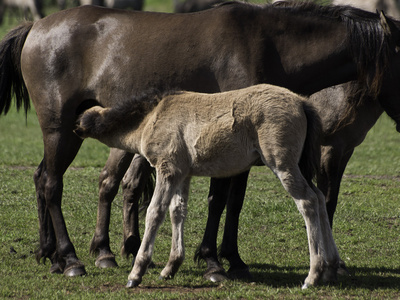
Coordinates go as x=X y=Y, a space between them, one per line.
x=120 y=4
x=390 y=7
x=189 y=6
x=65 y=67
x=34 y=8
x=191 y=134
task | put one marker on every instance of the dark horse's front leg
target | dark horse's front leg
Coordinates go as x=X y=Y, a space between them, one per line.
x=109 y=181
x=220 y=190
x=137 y=185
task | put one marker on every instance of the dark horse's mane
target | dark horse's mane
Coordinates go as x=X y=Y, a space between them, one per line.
x=369 y=46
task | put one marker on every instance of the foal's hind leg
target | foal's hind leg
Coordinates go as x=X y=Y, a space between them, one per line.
x=110 y=178
x=322 y=249
x=331 y=252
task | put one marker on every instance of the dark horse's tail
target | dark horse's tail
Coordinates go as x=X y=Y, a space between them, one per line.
x=311 y=156
x=11 y=81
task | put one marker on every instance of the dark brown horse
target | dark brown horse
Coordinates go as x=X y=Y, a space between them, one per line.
x=87 y=55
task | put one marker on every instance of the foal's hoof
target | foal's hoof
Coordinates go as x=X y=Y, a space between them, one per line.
x=169 y=277
x=132 y=284
x=106 y=263
x=74 y=271
x=305 y=286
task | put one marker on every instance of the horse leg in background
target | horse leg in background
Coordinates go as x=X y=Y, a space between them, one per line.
x=229 y=248
x=134 y=184
x=166 y=187
x=178 y=213
x=60 y=148
x=207 y=250
x=333 y=164
x=110 y=177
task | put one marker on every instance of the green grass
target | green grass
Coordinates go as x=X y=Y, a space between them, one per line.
x=272 y=238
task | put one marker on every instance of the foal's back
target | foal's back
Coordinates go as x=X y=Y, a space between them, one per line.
x=226 y=133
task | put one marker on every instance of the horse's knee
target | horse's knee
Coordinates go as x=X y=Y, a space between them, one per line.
x=136 y=179
x=130 y=184
x=108 y=186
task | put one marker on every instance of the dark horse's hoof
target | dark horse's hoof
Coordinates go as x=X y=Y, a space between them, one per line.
x=106 y=263
x=74 y=271
x=132 y=284
x=342 y=270
x=55 y=269
x=218 y=276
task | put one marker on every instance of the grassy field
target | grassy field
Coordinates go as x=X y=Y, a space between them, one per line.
x=272 y=238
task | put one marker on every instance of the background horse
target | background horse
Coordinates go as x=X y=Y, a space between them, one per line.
x=189 y=6
x=390 y=7
x=32 y=9
x=121 y=4
x=303 y=47
x=191 y=134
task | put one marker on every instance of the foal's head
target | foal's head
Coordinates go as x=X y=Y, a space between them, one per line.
x=98 y=122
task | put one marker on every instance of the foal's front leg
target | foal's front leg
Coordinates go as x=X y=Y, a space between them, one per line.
x=178 y=212
x=155 y=216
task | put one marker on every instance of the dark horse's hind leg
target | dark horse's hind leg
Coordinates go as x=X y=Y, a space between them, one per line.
x=47 y=238
x=333 y=165
x=230 y=191
x=229 y=248
x=134 y=184
x=60 y=149
x=207 y=250
x=110 y=178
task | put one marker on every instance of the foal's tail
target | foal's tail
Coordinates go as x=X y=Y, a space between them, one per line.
x=11 y=81
x=311 y=156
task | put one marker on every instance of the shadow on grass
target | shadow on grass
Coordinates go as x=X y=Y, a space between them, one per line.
x=364 y=277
